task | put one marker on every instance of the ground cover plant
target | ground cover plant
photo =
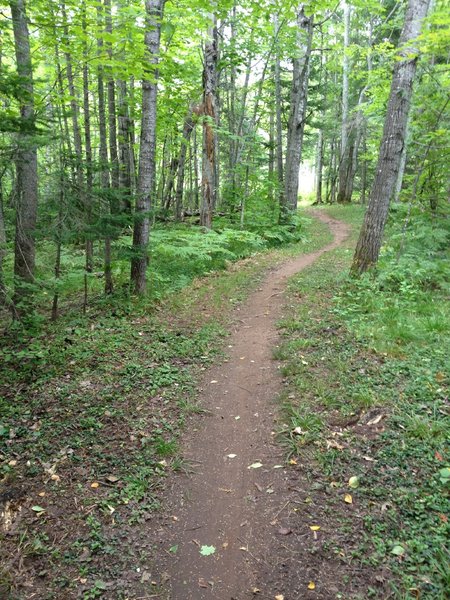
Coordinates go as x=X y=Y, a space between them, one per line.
x=366 y=406
x=90 y=417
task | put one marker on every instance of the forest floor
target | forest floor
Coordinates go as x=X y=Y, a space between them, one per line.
x=237 y=442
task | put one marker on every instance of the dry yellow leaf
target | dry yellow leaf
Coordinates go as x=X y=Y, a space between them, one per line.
x=311 y=585
x=348 y=498
x=95 y=484
x=292 y=461
x=279 y=597
x=315 y=527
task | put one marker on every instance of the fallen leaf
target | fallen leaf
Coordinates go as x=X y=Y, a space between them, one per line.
x=255 y=465
x=311 y=585
x=353 y=482
x=315 y=527
x=173 y=549
x=202 y=583
x=369 y=459
x=348 y=499
x=38 y=509
x=298 y=431
x=225 y=545
x=112 y=478
x=237 y=418
x=398 y=550
x=95 y=484
x=279 y=597
x=438 y=456
x=214 y=381
x=292 y=461
x=207 y=550
x=376 y=420
x=443 y=518
x=277 y=467
x=440 y=376
x=231 y=455
x=255 y=590
x=41 y=494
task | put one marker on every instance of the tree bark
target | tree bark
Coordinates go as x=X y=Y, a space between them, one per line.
x=146 y=178
x=345 y=155
x=26 y=162
x=299 y=98
x=209 y=183
x=189 y=125
x=393 y=140
x=103 y=155
x=112 y=115
x=279 y=125
x=319 y=164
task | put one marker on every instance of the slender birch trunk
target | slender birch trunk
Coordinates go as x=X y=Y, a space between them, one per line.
x=146 y=179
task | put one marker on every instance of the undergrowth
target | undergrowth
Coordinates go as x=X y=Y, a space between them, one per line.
x=91 y=412
x=367 y=367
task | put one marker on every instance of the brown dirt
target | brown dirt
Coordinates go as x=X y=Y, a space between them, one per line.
x=245 y=513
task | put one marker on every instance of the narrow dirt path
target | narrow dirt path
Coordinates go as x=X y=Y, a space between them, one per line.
x=225 y=503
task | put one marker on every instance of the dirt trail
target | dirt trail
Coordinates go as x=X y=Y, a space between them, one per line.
x=225 y=503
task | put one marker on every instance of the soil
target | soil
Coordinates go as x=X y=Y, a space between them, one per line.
x=240 y=497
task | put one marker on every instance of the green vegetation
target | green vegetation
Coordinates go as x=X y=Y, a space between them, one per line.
x=94 y=406
x=368 y=371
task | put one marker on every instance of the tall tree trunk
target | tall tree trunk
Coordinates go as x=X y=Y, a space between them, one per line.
x=279 y=125
x=187 y=131
x=2 y=248
x=393 y=140
x=89 y=266
x=112 y=115
x=146 y=179
x=345 y=154
x=209 y=183
x=26 y=163
x=319 y=164
x=299 y=98
x=103 y=155
x=125 y=160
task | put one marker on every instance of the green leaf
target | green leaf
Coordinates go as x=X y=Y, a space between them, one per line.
x=398 y=550
x=38 y=509
x=207 y=550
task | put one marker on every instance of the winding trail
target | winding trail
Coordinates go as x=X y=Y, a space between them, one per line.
x=225 y=503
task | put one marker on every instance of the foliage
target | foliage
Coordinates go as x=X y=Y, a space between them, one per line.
x=379 y=356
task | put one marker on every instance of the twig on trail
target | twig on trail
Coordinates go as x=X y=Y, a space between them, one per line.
x=242 y=388
x=281 y=509
x=258 y=560
x=194 y=528
x=275 y=294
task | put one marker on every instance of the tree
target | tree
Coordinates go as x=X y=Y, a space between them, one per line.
x=26 y=161
x=146 y=178
x=393 y=140
x=209 y=169
x=299 y=98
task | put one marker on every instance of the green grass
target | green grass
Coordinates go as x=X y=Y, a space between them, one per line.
x=378 y=346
